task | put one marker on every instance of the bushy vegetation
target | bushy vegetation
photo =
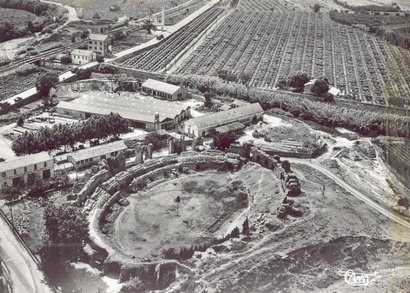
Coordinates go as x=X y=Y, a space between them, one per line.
x=9 y=30
x=384 y=8
x=66 y=233
x=375 y=24
x=362 y=121
x=46 y=138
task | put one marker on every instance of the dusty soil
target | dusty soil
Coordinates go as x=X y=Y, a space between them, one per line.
x=210 y=204
x=337 y=232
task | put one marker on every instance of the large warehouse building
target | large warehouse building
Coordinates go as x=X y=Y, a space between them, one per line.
x=203 y=125
x=142 y=112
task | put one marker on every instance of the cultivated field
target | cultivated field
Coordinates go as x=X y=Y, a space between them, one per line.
x=157 y=58
x=131 y=8
x=272 y=45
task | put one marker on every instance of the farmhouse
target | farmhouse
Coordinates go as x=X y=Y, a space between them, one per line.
x=142 y=112
x=90 y=156
x=307 y=89
x=203 y=125
x=163 y=90
x=100 y=44
x=79 y=56
x=17 y=171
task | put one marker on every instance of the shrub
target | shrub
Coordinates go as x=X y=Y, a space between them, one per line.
x=27 y=69
x=66 y=59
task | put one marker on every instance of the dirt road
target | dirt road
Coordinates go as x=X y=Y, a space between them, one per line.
x=24 y=274
x=314 y=164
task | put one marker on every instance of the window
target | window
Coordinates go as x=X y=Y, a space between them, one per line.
x=25 y=169
x=35 y=166
x=15 y=172
x=3 y=174
x=45 y=164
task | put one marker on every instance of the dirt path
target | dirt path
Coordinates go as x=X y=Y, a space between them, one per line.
x=314 y=164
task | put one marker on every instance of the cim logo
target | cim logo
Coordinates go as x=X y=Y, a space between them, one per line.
x=358 y=279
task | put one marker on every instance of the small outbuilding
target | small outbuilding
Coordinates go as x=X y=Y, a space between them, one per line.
x=163 y=90
x=79 y=56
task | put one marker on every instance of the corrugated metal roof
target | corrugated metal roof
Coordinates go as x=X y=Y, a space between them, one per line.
x=81 y=52
x=24 y=161
x=97 y=37
x=128 y=107
x=161 y=86
x=96 y=151
x=225 y=117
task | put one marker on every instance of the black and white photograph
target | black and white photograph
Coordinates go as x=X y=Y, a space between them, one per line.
x=204 y=146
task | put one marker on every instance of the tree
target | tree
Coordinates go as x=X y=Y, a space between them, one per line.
x=178 y=201
x=96 y=16
x=223 y=141
x=37 y=186
x=320 y=87
x=45 y=82
x=404 y=202
x=298 y=80
x=83 y=73
x=286 y=166
x=235 y=233
x=245 y=227
x=20 y=121
x=316 y=7
x=66 y=59
x=100 y=58
x=208 y=101
x=66 y=233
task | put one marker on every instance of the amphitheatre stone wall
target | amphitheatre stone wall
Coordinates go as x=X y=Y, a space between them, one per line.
x=161 y=273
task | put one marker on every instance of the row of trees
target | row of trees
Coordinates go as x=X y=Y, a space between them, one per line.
x=363 y=121
x=67 y=135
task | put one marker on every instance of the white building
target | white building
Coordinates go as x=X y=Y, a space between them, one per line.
x=163 y=90
x=91 y=156
x=79 y=56
x=17 y=171
x=203 y=125
x=99 y=43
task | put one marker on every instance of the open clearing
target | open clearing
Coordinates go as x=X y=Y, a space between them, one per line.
x=210 y=203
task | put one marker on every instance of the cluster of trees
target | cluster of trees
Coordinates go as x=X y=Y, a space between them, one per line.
x=187 y=253
x=364 y=121
x=67 y=135
x=9 y=31
x=387 y=8
x=66 y=233
x=36 y=7
x=375 y=23
x=45 y=82
x=223 y=141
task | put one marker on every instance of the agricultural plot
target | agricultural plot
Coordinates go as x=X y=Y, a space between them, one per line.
x=118 y=8
x=273 y=45
x=157 y=58
x=16 y=16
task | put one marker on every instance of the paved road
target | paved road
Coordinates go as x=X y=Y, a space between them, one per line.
x=314 y=164
x=24 y=274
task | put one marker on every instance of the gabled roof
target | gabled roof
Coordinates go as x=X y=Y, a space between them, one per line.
x=98 y=37
x=127 y=106
x=81 y=52
x=24 y=161
x=97 y=151
x=225 y=117
x=160 y=86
